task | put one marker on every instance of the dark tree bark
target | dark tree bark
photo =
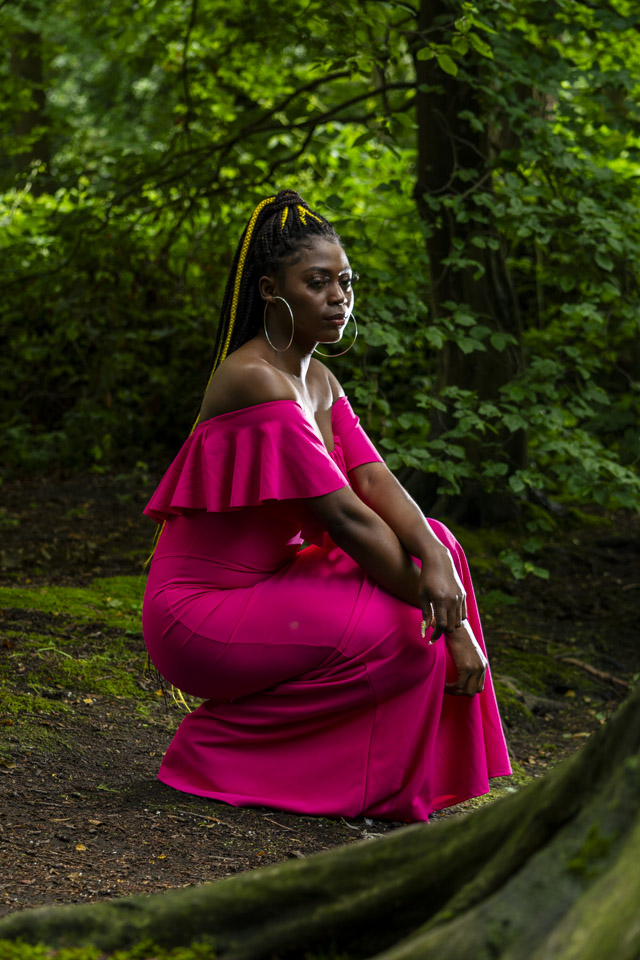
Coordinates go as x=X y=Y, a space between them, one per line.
x=31 y=125
x=550 y=872
x=448 y=148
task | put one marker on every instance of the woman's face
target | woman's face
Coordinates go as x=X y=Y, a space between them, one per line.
x=318 y=288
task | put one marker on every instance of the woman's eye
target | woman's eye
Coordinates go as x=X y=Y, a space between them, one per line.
x=345 y=282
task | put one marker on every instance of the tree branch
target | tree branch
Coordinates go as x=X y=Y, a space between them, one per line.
x=203 y=154
x=185 y=69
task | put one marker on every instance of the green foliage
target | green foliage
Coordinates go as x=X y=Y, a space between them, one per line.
x=19 y=950
x=167 y=122
x=105 y=329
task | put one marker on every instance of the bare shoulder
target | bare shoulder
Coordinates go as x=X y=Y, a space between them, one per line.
x=328 y=379
x=244 y=382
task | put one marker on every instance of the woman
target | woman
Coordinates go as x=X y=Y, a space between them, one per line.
x=323 y=669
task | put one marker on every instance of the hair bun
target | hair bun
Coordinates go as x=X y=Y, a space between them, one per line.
x=289 y=198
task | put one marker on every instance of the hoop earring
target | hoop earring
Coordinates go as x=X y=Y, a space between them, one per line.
x=293 y=326
x=342 y=353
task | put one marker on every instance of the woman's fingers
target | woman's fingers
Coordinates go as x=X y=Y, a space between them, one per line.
x=455 y=612
x=441 y=619
x=466 y=685
x=445 y=615
x=463 y=607
x=442 y=591
x=469 y=660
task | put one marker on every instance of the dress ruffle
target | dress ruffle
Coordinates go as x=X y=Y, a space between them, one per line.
x=248 y=457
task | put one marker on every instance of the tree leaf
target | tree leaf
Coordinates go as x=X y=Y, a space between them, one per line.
x=480 y=45
x=603 y=261
x=447 y=64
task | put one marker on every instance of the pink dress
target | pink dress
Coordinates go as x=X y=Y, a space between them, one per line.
x=320 y=695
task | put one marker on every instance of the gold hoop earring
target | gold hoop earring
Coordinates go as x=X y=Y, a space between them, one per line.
x=264 y=323
x=342 y=353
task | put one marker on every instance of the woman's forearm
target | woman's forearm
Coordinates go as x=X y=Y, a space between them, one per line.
x=367 y=536
x=368 y=540
x=378 y=488
x=374 y=546
x=440 y=590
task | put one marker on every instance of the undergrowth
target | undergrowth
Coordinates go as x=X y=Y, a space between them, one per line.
x=19 y=950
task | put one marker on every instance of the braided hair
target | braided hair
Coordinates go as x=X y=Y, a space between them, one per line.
x=280 y=228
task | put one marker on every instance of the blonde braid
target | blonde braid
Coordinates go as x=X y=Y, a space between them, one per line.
x=303 y=213
x=223 y=350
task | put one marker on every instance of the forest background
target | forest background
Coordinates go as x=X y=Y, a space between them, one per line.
x=480 y=160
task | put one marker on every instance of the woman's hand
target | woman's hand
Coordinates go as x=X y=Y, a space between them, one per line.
x=470 y=662
x=441 y=594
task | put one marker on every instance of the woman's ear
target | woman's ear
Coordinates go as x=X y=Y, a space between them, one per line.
x=267 y=287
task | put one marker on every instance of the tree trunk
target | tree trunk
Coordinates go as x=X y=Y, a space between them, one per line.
x=449 y=146
x=550 y=872
x=31 y=125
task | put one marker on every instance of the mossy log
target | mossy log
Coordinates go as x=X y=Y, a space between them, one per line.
x=549 y=872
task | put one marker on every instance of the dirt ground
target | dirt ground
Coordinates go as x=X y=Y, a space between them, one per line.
x=82 y=815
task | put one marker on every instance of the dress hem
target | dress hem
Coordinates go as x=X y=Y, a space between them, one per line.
x=242 y=800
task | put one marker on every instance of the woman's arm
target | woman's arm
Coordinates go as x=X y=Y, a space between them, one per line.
x=438 y=578
x=376 y=485
x=372 y=543
x=369 y=539
x=378 y=488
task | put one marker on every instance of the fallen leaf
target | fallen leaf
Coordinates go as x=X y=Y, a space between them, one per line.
x=80 y=846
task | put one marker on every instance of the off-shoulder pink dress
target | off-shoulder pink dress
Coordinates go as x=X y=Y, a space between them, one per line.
x=320 y=695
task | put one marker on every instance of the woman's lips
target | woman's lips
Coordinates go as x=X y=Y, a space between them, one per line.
x=338 y=320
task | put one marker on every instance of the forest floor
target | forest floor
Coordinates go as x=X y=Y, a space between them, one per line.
x=83 y=723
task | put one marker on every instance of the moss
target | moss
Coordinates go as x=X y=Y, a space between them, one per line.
x=114 y=601
x=579 y=519
x=483 y=546
x=587 y=863
x=19 y=950
x=542 y=674
x=50 y=676
x=512 y=709
x=19 y=704
x=64 y=659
